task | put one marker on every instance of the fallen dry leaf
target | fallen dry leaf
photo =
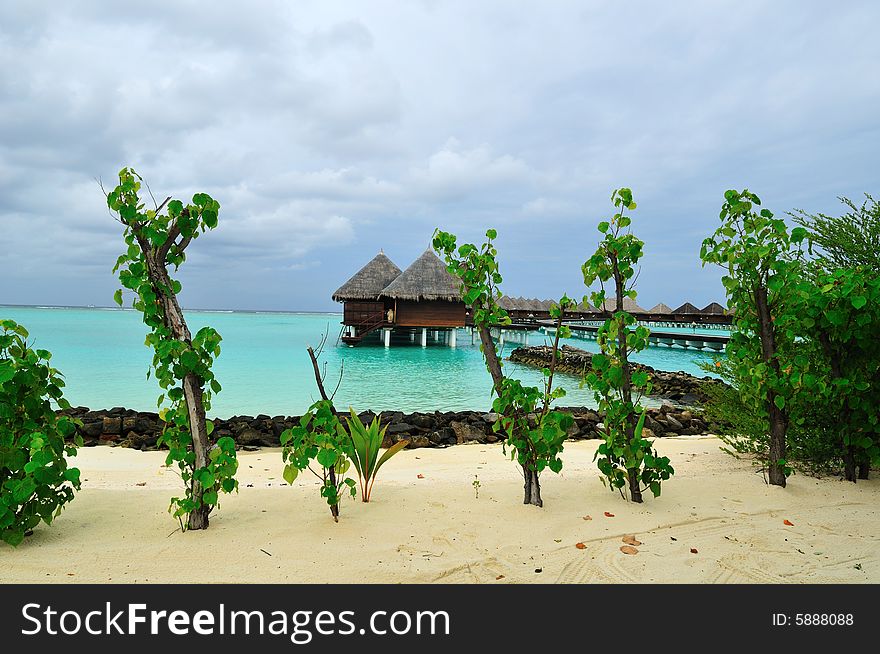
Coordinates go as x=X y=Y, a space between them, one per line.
x=141 y=483
x=788 y=523
x=693 y=550
x=420 y=476
x=588 y=517
x=609 y=515
x=628 y=549
x=499 y=577
x=630 y=539
x=580 y=546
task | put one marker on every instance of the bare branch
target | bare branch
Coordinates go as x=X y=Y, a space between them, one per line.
x=339 y=381
x=150 y=191
x=318 y=378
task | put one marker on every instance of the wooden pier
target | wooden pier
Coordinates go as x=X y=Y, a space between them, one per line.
x=715 y=342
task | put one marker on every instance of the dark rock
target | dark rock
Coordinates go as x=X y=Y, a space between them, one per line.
x=466 y=432
x=422 y=420
x=390 y=416
x=400 y=428
x=92 y=429
x=142 y=441
x=248 y=436
x=112 y=425
x=672 y=423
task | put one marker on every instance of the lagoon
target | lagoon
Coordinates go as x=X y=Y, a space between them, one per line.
x=264 y=367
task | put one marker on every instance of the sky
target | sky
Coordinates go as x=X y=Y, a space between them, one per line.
x=330 y=130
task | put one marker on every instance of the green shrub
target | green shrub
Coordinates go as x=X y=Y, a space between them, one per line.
x=366 y=441
x=35 y=482
x=320 y=438
x=811 y=442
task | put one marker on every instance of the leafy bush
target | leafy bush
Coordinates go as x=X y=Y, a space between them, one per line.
x=155 y=240
x=761 y=263
x=626 y=459
x=35 y=481
x=534 y=432
x=320 y=438
x=811 y=445
x=366 y=441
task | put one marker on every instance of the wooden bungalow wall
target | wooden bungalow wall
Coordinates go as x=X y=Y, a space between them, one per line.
x=360 y=312
x=430 y=314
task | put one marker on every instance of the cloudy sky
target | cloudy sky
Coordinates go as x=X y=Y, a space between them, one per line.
x=328 y=130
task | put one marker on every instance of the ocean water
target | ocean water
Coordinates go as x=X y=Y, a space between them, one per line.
x=264 y=367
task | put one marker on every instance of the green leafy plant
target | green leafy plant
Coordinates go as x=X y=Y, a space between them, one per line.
x=35 y=480
x=366 y=441
x=839 y=313
x=811 y=443
x=156 y=239
x=849 y=241
x=626 y=458
x=534 y=432
x=320 y=439
x=760 y=258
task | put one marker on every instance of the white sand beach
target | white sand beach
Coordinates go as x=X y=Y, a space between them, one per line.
x=716 y=522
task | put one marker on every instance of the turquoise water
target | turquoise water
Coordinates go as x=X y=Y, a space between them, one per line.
x=264 y=367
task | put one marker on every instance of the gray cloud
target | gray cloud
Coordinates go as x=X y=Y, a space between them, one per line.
x=329 y=130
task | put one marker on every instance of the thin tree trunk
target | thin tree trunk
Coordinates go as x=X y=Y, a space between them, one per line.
x=849 y=452
x=864 y=468
x=492 y=361
x=334 y=508
x=531 y=488
x=849 y=463
x=192 y=385
x=778 y=417
x=531 y=481
x=632 y=474
x=192 y=392
x=192 y=388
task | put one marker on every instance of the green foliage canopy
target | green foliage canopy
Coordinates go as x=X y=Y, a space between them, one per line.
x=35 y=480
x=625 y=455
x=154 y=240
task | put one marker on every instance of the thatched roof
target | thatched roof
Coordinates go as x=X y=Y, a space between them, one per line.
x=546 y=305
x=368 y=282
x=714 y=308
x=426 y=279
x=687 y=307
x=660 y=308
x=505 y=303
x=629 y=305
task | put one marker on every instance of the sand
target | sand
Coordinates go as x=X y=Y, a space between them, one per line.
x=433 y=528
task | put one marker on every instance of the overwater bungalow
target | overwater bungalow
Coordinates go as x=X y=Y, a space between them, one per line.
x=686 y=308
x=713 y=309
x=363 y=308
x=629 y=305
x=660 y=309
x=423 y=297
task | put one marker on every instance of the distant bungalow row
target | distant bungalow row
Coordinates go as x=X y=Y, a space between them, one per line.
x=425 y=298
